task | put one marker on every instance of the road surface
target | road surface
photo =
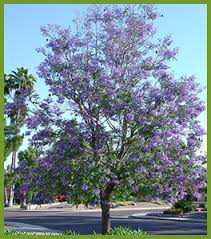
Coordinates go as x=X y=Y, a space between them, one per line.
x=88 y=222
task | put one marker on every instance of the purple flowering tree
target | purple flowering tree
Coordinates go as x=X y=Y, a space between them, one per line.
x=27 y=161
x=117 y=118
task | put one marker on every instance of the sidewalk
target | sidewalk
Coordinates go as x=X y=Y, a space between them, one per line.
x=199 y=217
x=29 y=228
x=138 y=206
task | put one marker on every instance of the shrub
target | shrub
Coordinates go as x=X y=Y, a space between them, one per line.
x=126 y=231
x=114 y=231
x=173 y=211
x=185 y=205
x=70 y=232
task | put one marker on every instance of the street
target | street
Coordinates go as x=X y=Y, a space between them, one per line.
x=87 y=222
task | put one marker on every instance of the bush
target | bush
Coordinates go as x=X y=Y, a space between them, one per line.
x=114 y=231
x=14 y=232
x=173 y=211
x=185 y=206
x=70 y=232
x=205 y=207
x=126 y=231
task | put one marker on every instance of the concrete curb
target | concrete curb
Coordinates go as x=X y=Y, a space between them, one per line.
x=183 y=219
x=89 y=210
x=29 y=228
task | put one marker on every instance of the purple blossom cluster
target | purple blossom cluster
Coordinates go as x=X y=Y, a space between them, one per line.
x=128 y=121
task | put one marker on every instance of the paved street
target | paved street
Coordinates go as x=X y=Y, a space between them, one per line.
x=87 y=222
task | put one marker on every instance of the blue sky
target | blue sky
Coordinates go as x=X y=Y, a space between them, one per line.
x=186 y=22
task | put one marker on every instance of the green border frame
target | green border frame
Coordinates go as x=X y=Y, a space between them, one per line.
x=2 y=3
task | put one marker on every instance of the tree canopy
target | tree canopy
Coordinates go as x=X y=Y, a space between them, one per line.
x=116 y=116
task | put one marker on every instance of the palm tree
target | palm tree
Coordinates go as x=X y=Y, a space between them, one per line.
x=18 y=80
x=14 y=83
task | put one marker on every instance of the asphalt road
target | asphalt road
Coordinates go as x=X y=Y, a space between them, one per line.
x=87 y=222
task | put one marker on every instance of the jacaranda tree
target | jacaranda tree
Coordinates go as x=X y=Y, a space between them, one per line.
x=27 y=160
x=116 y=117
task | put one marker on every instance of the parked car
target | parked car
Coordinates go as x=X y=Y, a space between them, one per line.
x=61 y=198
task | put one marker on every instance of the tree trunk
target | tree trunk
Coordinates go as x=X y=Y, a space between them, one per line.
x=11 y=191
x=13 y=164
x=106 y=222
x=23 y=203
x=105 y=198
x=5 y=197
x=11 y=196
